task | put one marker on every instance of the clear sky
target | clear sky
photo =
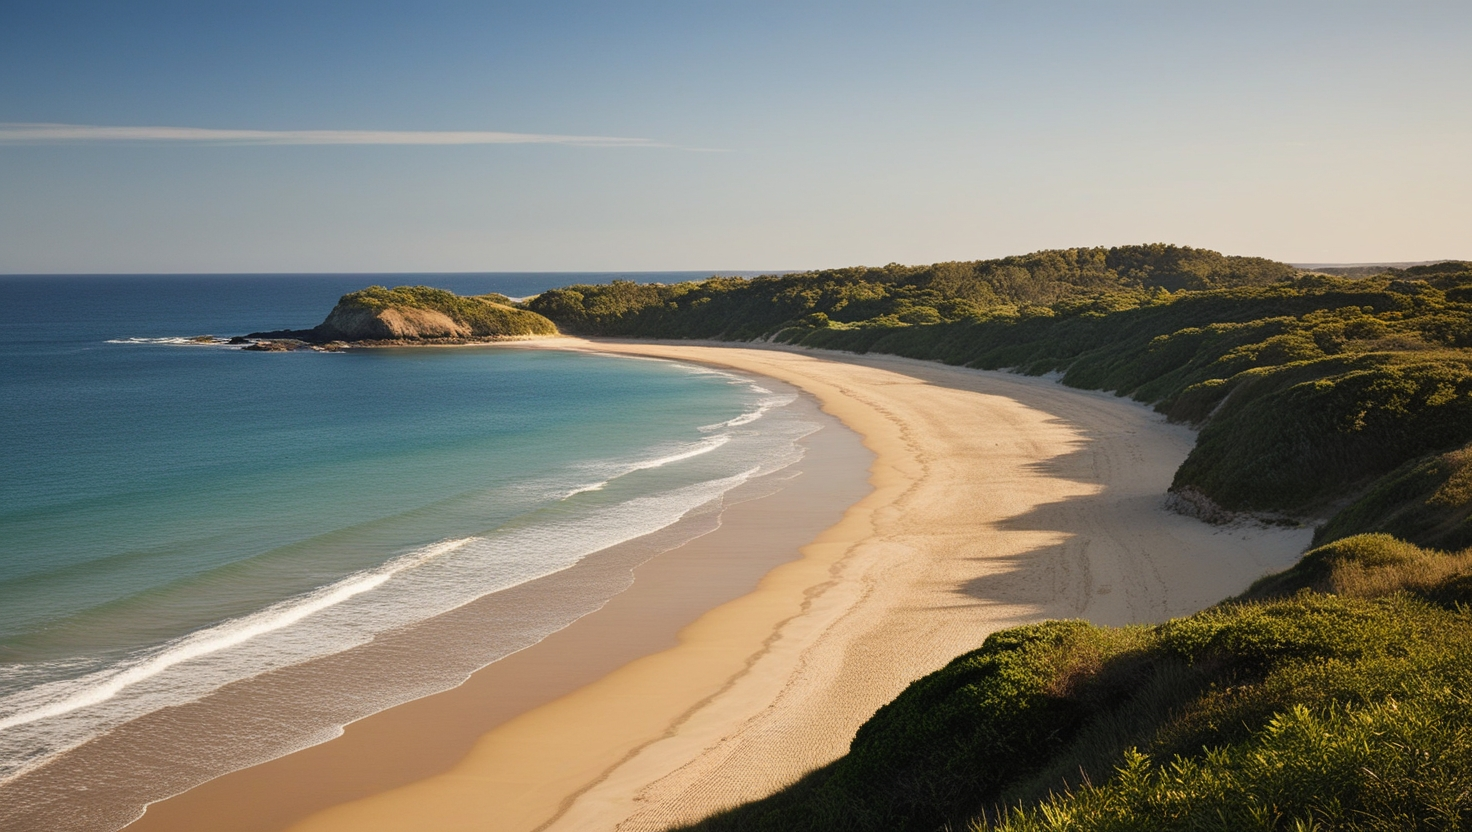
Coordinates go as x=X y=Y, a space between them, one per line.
x=485 y=136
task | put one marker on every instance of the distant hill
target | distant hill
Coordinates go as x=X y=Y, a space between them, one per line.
x=1361 y=269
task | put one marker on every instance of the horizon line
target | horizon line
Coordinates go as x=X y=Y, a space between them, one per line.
x=711 y=272
x=57 y=133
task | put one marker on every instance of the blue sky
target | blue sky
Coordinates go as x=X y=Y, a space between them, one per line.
x=764 y=135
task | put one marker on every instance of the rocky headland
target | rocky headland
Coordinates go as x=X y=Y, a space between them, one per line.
x=410 y=315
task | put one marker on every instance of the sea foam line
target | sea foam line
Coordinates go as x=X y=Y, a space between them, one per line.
x=173 y=341
x=704 y=446
x=752 y=415
x=232 y=633
x=734 y=378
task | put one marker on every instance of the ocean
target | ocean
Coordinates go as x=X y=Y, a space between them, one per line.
x=179 y=522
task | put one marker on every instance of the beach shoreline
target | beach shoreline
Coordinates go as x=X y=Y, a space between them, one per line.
x=696 y=564
x=996 y=500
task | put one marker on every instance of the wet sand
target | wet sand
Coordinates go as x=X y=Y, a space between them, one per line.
x=996 y=500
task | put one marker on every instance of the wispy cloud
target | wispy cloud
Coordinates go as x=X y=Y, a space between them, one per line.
x=26 y=133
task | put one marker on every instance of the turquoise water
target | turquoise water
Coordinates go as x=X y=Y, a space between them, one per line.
x=174 y=518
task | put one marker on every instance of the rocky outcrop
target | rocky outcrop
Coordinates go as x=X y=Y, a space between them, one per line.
x=1190 y=501
x=419 y=315
x=1193 y=502
x=274 y=346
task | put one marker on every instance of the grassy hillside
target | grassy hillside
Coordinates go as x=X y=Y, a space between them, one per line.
x=1333 y=696
x=1428 y=499
x=478 y=316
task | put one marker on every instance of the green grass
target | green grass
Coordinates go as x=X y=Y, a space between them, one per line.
x=1390 y=766
x=1292 y=707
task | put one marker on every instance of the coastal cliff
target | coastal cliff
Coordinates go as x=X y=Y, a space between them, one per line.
x=416 y=315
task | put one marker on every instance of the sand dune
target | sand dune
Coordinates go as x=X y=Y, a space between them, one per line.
x=997 y=500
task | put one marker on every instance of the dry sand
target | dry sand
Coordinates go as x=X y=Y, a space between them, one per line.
x=997 y=500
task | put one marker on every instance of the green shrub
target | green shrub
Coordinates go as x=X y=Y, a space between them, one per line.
x=1427 y=500
x=1371 y=566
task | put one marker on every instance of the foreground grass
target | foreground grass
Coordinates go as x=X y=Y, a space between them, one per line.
x=1333 y=696
x=1387 y=766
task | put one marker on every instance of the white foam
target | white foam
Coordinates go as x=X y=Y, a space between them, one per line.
x=173 y=342
x=690 y=451
x=702 y=447
x=733 y=378
x=101 y=687
x=750 y=416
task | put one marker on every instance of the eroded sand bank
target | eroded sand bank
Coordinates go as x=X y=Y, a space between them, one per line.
x=997 y=500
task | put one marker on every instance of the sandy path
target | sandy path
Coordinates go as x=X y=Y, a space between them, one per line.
x=998 y=500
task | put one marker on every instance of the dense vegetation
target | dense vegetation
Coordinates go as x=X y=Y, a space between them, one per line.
x=422 y=297
x=1308 y=388
x=1333 y=696
x=895 y=295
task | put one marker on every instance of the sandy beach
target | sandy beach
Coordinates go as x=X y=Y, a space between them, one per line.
x=991 y=500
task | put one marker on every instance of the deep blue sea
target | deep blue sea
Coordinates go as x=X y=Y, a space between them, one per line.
x=177 y=517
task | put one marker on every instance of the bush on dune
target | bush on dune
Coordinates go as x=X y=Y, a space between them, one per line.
x=1294 y=436
x=1371 y=566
